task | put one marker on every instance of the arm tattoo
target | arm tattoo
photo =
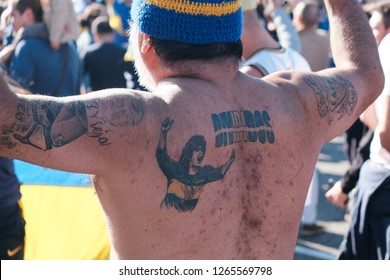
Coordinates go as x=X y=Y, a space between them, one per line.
x=49 y=124
x=334 y=95
x=114 y=113
x=124 y=112
x=58 y=124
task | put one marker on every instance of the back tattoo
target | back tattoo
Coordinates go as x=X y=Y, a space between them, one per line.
x=187 y=177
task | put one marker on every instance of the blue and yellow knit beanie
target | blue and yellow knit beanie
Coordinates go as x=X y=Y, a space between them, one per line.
x=189 y=21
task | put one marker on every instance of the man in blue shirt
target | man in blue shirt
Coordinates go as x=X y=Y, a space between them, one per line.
x=33 y=63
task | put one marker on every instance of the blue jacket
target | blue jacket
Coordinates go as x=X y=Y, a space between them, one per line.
x=36 y=67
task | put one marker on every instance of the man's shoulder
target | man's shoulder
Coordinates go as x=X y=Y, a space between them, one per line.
x=33 y=44
x=32 y=50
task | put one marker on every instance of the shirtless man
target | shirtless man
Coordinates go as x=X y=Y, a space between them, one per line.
x=266 y=133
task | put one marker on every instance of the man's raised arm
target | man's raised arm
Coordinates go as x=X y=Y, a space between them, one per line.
x=352 y=39
x=333 y=98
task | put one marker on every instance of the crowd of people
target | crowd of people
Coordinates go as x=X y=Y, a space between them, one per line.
x=253 y=70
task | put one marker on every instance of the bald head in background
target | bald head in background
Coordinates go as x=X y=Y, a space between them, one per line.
x=315 y=41
x=306 y=15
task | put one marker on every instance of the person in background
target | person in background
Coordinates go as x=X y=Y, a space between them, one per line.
x=104 y=61
x=90 y=13
x=246 y=190
x=278 y=15
x=315 y=42
x=6 y=30
x=61 y=21
x=368 y=236
x=262 y=54
x=119 y=14
x=34 y=65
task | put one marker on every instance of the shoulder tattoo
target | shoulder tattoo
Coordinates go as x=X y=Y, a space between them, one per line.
x=335 y=96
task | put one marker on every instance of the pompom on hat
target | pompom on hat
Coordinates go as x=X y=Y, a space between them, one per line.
x=189 y=21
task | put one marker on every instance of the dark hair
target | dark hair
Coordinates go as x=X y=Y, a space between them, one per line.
x=92 y=12
x=190 y=147
x=101 y=25
x=34 y=5
x=172 y=51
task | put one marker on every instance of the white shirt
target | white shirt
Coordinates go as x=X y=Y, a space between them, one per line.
x=378 y=153
x=268 y=61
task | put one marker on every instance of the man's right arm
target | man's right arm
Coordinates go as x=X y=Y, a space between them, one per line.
x=70 y=133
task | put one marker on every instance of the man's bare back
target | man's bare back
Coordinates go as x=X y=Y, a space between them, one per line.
x=250 y=212
x=213 y=164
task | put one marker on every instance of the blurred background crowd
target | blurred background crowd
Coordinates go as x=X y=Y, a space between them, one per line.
x=69 y=47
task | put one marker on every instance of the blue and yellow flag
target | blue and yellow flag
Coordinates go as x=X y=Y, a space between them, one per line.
x=64 y=220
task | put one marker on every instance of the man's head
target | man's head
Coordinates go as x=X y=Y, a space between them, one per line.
x=306 y=15
x=25 y=13
x=185 y=30
x=101 y=30
x=380 y=20
x=90 y=13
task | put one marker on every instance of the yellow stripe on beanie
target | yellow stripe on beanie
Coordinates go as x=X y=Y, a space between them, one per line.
x=197 y=8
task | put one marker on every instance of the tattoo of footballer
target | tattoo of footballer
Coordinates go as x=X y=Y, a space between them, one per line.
x=187 y=177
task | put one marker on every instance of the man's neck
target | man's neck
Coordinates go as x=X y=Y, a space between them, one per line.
x=216 y=71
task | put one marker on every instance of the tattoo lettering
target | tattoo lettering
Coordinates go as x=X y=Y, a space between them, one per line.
x=187 y=177
x=97 y=124
x=242 y=126
x=334 y=95
x=118 y=112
